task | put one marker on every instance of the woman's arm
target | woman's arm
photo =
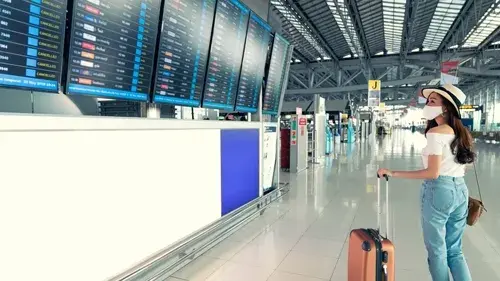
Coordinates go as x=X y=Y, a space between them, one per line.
x=432 y=171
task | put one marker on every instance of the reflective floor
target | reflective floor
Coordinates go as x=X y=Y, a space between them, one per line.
x=303 y=236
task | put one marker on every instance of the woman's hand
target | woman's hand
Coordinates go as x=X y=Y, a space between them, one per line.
x=382 y=171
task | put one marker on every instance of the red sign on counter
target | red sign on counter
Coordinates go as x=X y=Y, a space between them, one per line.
x=302 y=121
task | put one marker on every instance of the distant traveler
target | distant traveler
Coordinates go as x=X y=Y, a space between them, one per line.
x=444 y=195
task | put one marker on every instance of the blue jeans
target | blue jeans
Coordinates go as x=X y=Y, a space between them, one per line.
x=444 y=216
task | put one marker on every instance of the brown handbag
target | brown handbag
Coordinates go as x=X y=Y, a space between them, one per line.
x=476 y=207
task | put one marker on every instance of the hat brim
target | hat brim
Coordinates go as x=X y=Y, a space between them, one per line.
x=428 y=91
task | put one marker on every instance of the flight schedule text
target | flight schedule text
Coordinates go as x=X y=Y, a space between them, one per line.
x=112 y=48
x=31 y=43
x=254 y=61
x=183 y=53
x=226 y=55
x=275 y=76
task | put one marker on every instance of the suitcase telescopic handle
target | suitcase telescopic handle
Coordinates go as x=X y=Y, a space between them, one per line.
x=379 y=208
x=385 y=176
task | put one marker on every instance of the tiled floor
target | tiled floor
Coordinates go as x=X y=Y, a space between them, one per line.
x=303 y=236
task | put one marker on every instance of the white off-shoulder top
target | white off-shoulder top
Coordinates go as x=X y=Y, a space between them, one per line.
x=439 y=144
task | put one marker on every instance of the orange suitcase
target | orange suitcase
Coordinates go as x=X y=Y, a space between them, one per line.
x=371 y=255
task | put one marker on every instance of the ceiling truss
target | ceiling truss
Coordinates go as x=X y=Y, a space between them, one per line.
x=340 y=44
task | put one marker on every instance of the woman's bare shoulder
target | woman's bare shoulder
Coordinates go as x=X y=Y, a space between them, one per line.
x=444 y=129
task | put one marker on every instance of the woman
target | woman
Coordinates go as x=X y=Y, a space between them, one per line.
x=444 y=193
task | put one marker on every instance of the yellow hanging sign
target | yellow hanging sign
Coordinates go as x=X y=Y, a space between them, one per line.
x=374 y=85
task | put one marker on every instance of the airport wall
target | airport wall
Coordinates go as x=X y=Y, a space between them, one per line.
x=20 y=101
x=85 y=198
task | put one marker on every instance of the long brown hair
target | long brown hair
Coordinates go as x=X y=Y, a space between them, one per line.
x=462 y=146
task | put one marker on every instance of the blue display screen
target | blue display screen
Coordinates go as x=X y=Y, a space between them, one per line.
x=226 y=54
x=31 y=44
x=183 y=54
x=112 y=48
x=254 y=62
x=275 y=77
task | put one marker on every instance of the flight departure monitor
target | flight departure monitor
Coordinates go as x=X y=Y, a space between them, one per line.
x=254 y=62
x=183 y=54
x=275 y=77
x=112 y=48
x=31 y=44
x=226 y=54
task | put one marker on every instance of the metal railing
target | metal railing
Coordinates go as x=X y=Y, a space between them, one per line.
x=166 y=262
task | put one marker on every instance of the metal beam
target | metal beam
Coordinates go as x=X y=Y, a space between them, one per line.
x=358 y=26
x=324 y=80
x=412 y=80
x=305 y=20
x=364 y=67
x=489 y=39
x=389 y=69
x=458 y=25
x=393 y=60
x=409 y=24
x=352 y=77
x=475 y=72
x=300 y=56
x=294 y=77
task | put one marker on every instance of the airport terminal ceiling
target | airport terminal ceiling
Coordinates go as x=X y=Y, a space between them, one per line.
x=340 y=44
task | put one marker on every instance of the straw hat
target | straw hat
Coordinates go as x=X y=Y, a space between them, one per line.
x=448 y=91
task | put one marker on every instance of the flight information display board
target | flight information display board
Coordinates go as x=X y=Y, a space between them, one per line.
x=183 y=54
x=275 y=77
x=32 y=43
x=112 y=48
x=226 y=54
x=254 y=62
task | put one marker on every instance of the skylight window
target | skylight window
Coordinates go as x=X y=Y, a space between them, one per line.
x=394 y=17
x=444 y=16
x=293 y=19
x=487 y=24
x=340 y=14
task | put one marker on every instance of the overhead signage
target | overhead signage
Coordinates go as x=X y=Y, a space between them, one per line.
x=293 y=131
x=449 y=72
x=381 y=106
x=374 y=87
x=470 y=107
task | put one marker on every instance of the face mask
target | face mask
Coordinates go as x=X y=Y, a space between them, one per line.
x=431 y=112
